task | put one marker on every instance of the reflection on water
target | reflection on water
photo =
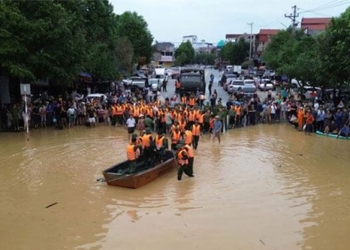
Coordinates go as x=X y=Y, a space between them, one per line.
x=263 y=187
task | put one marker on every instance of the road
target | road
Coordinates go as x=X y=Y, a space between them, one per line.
x=221 y=93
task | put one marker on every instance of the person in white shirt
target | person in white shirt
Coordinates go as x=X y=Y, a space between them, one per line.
x=71 y=116
x=131 y=123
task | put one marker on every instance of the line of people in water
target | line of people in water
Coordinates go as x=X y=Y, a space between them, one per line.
x=152 y=150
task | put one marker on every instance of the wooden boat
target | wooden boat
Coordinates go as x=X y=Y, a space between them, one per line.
x=118 y=174
x=332 y=135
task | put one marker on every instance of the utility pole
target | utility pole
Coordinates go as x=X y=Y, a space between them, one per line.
x=293 y=17
x=250 y=40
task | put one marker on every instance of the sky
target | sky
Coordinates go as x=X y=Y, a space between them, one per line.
x=170 y=20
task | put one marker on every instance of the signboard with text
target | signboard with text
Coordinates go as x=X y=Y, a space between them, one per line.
x=25 y=89
x=166 y=59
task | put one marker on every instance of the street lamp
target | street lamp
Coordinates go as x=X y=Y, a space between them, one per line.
x=250 y=40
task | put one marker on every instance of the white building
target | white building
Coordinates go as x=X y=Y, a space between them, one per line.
x=198 y=47
x=191 y=38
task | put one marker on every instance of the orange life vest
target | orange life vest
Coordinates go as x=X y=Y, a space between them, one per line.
x=178 y=84
x=188 y=139
x=184 y=100
x=113 y=110
x=136 y=112
x=180 y=158
x=175 y=137
x=196 y=129
x=200 y=118
x=119 y=110
x=159 y=140
x=191 y=116
x=130 y=152
x=211 y=123
x=192 y=101
x=238 y=110
x=189 y=151
x=146 y=141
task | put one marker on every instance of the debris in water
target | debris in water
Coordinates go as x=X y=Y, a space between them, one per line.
x=51 y=205
x=300 y=154
x=262 y=242
x=101 y=180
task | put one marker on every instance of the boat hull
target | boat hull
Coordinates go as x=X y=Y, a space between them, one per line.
x=331 y=135
x=141 y=177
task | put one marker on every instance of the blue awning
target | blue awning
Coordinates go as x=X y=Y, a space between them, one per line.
x=220 y=44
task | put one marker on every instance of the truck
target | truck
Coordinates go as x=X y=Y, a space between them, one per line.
x=192 y=80
x=237 y=69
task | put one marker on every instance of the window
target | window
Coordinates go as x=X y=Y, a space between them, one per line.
x=166 y=53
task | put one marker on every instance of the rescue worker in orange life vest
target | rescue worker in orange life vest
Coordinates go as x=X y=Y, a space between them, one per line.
x=161 y=143
x=182 y=160
x=176 y=136
x=132 y=153
x=196 y=132
x=148 y=148
x=190 y=153
x=138 y=140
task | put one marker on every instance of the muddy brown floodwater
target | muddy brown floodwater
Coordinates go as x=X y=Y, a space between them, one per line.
x=264 y=187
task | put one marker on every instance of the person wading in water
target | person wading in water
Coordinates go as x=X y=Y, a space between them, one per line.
x=217 y=128
x=132 y=153
x=182 y=160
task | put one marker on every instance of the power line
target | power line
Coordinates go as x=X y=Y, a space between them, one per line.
x=293 y=17
x=327 y=6
x=316 y=13
x=272 y=22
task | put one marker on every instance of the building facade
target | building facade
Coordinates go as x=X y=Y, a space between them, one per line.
x=263 y=38
x=191 y=38
x=198 y=46
x=165 y=54
x=314 y=26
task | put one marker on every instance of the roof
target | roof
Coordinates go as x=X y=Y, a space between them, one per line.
x=314 y=26
x=268 y=31
x=165 y=46
x=316 y=20
x=233 y=35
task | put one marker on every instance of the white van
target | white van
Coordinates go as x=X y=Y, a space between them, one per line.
x=160 y=74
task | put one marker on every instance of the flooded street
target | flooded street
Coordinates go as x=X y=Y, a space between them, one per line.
x=264 y=187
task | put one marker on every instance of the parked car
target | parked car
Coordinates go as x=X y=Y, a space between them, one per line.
x=249 y=82
x=233 y=87
x=228 y=82
x=248 y=91
x=306 y=92
x=266 y=84
x=154 y=84
x=102 y=98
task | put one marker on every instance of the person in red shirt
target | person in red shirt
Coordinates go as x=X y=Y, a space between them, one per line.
x=309 y=121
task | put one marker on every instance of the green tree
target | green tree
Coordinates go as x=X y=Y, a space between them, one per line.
x=124 y=55
x=205 y=58
x=278 y=50
x=239 y=53
x=226 y=51
x=185 y=52
x=99 y=23
x=235 y=53
x=135 y=28
x=39 y=40
x=294 y=54
x=334 y=49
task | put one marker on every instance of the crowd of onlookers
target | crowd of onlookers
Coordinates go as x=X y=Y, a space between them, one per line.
x=70 y=109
